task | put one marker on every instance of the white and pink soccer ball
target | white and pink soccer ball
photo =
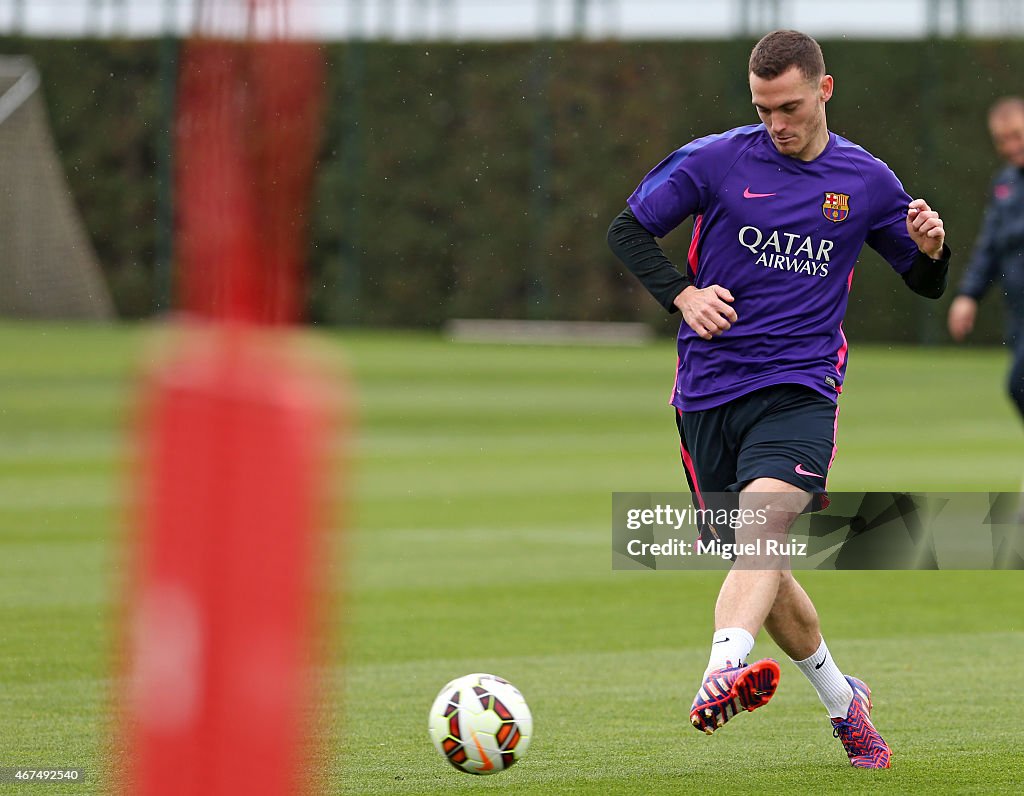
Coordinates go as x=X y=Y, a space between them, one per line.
x=481 y=724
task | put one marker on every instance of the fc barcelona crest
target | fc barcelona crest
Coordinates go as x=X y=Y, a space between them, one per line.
x=836 y=206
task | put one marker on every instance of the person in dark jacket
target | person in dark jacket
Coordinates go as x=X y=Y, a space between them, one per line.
x=999 y=252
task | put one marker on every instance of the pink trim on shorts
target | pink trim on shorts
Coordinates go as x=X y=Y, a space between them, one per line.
x=835 y=433
x=688 y=464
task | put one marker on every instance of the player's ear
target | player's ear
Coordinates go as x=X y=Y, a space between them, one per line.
x=825 y=88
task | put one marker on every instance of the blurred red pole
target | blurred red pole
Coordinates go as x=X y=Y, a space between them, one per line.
x=233 y=436
x=247 y=135
x=228 y=563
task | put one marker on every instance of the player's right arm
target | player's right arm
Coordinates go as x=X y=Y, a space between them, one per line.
x=677 y=188
x=632 y=243
x=705 y=310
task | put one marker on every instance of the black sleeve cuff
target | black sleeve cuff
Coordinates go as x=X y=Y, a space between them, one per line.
x=928 y=277
x=632 y=243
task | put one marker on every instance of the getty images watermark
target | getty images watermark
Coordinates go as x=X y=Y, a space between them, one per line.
x=675 y=518
x=848 y=530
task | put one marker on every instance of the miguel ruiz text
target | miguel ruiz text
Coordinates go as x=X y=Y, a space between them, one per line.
x=678 y=547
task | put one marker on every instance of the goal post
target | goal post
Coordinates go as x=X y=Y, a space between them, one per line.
x=48 y=267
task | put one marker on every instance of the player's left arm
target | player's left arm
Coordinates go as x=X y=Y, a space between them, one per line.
x=909 y=235
x=929 y=271
x=926 y=230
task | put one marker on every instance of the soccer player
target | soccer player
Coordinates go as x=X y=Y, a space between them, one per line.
x=782 y=209
x=999 y=251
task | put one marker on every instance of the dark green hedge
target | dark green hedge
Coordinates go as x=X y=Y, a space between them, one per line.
x=478 y=180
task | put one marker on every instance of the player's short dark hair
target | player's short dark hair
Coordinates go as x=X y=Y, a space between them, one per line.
x=780 y=50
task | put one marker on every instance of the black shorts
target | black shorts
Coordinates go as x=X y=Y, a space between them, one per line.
x=787 y=432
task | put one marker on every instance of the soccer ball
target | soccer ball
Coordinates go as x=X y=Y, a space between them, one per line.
x=481 y=724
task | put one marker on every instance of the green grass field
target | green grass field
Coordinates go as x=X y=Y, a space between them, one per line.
x=480 y=542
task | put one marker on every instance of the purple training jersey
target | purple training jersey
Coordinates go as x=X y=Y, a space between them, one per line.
x=783 y=236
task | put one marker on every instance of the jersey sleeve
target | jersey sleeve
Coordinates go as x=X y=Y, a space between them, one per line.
x=674 y=190
x=888 y=233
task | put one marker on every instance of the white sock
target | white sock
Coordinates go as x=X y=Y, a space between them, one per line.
x=833 y=689
x=730 y=647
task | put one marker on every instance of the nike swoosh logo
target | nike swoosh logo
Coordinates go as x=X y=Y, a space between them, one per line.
x=748 y=195
x=819 y=665
x=488 y=765
x=799 y=470
x=720 y=641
